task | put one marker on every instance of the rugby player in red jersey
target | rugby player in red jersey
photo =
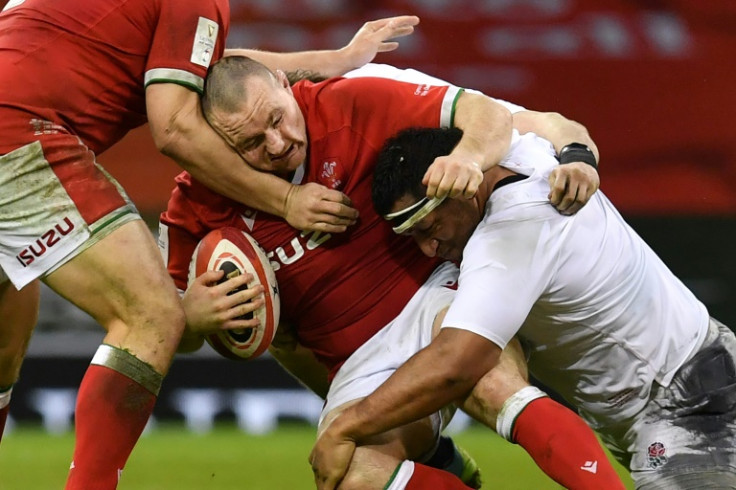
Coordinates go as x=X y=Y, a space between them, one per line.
x=75 y=76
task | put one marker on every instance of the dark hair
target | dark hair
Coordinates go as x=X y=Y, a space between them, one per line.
x=224 y=89
x=404 y=160
x=299 y=75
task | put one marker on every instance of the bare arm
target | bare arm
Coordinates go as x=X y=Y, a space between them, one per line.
x=372 y=38
x=299 y=361
x=555 y=128
x=486 y=126
x=443 y=372
x=181 y=132
x=571 y=185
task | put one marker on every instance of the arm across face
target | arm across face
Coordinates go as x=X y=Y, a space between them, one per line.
x=486 y=139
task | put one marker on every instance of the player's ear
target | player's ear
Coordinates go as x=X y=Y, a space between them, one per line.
x=283 y=80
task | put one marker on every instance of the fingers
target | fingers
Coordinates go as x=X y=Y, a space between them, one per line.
x=385 y=47
x=572 y=186
x=313 y=207
x=395 y=23
x=452 y=178
x=210 y=278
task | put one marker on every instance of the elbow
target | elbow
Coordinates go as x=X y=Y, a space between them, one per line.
x=167 y=137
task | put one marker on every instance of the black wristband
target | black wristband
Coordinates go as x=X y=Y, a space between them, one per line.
x=577 y=152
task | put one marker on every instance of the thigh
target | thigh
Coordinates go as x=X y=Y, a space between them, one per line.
x=54 y=199
x=378 y=358
x=122 y=283
x=687 y=433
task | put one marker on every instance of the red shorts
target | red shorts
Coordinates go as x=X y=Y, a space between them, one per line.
x=55 y=201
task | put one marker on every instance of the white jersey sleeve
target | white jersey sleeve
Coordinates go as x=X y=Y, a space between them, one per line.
x=414 y=76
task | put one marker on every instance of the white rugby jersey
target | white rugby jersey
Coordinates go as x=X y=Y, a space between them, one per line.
x=600 y=315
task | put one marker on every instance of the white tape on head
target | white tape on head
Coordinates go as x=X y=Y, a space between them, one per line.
x=408 y=217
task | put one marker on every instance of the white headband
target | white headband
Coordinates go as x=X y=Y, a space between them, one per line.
x=411 y=215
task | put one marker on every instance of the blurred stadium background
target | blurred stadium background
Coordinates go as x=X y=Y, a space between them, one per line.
x=652 y=80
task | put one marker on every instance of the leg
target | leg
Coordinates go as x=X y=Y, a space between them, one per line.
x=19 y=313
x=685 y=438
x=386 y=460
x=121 y=282
x=504 y=401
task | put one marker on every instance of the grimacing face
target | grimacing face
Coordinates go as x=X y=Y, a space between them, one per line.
x=268 y=130
x=445 y=231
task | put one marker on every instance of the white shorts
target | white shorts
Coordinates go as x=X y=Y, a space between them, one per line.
x=376 y=360
x=686 y=435
x=55 y=202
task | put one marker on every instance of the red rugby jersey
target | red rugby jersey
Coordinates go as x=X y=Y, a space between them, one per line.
x=338 y=289
x=81 y=66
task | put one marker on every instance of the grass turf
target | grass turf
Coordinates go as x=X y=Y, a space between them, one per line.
x=169 y=457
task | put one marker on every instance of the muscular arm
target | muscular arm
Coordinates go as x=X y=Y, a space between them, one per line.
x=571 y=185
x=372 y=38
x=487 y=127
x=441 y=373
x=181 y=132
x=555 y=128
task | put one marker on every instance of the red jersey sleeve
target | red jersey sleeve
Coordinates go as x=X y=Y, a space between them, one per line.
x=192 y=212
x=390 y=105
x=189 y=36
x=350 y=119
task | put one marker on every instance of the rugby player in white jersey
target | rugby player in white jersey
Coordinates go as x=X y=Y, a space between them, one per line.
x=603 y=321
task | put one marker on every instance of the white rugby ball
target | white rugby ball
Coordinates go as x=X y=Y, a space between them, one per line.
x=236 y=252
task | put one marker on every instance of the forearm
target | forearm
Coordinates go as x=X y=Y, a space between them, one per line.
x=422 y=385
x=487 y=128
x=555 y=128
x=329 y=63
x=184 y=135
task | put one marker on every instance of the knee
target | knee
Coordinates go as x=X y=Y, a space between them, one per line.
x=369 y=469
x=493 y=389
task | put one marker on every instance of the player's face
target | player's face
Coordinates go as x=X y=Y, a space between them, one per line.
x=445 y=231
x=268 y=130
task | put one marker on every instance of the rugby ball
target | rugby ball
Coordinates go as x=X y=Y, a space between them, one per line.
x=236 y=252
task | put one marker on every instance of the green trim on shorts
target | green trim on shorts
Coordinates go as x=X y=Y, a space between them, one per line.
x=101 y=226
x=393 y=476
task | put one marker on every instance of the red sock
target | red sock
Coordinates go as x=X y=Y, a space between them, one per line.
x=425 y=477
x=3 y=417
x=564 y=447
x=112 y=411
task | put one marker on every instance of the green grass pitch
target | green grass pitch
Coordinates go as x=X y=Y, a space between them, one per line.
x=169 y=457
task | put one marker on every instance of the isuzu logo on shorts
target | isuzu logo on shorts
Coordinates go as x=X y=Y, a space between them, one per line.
x=29 y=254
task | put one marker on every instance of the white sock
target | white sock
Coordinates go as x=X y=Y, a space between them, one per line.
x=5 y=397
x=513 y=407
